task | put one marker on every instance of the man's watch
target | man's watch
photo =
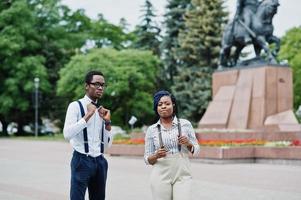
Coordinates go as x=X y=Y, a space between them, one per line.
x=107 y=122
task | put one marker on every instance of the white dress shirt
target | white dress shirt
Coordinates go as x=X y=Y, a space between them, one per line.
x=169 y=138
x=74 y=125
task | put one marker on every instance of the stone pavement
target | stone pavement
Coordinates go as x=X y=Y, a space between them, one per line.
x=38 y=170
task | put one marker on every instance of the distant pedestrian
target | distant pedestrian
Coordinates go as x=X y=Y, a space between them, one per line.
x=167 y=145
x=88 y=126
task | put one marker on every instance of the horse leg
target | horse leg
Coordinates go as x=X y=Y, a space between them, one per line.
x=224 y=56
x=262 y=42
x=237 y=53
x=276 y=40
x=257 y=48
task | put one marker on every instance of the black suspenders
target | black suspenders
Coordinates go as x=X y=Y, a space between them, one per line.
x=86 y=133
x=85 y=129
x=102 y=137
x=180 y=133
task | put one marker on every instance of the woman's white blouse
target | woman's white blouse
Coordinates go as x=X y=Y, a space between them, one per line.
x=169 y=138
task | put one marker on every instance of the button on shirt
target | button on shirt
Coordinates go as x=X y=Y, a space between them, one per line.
x=169 y=138
x=74 y=125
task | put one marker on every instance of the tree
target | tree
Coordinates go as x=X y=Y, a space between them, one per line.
x=19 y=62
x=198 y=54
x=38 y=37
x=130 y=75
x=200 y=41
x=105 y=34
x=290 y=51
x=66 y=33
x=148 y=33
x=174 y=23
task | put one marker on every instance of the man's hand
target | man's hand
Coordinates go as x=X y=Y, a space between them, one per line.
x=90 y=111
x=104 y=113
x=91 y=108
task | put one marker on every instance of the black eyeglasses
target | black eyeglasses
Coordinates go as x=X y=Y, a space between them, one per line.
x=98 y=84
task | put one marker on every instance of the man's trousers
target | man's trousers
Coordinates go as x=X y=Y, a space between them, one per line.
x=88 y=172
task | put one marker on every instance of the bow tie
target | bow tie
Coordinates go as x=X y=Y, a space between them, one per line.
x=95 y=104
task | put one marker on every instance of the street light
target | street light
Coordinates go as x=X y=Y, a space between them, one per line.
x=36 y=85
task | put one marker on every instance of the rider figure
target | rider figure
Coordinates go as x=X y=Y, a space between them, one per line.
x=246 y=9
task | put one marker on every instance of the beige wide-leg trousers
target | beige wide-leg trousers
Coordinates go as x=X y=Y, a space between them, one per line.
x=171 y=178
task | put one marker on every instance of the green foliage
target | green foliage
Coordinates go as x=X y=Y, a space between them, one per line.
x=106 y=34
x=130 y=75
x=198 y=54
x=20 y=61
x=193 y=91
x=38 y=37
x=174 y=23
x=148 y=33
x=291 y=51
x=119 y=136
x=200 y=41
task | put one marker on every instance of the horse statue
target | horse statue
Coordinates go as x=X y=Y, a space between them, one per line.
x=261 y=32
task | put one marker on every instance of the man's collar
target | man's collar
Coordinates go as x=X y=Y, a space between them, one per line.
x=86 y=98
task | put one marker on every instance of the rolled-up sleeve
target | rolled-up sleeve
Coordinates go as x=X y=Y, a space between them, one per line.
x=72 y=125
x=192 y=139
x=149 y=145
x=108 y=136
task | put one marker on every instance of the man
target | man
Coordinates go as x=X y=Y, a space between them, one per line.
x=87 y=127
x=246 y=9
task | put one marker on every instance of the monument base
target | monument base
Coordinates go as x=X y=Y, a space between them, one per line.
x=256 y=98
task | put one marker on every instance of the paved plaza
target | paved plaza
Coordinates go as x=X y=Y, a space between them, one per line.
x=38 y=170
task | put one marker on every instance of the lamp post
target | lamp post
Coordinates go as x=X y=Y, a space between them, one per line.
x=36 y=85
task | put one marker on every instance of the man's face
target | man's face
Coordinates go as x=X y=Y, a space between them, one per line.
x=96 y=87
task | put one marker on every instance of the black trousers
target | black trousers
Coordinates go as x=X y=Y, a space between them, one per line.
x=88 y=172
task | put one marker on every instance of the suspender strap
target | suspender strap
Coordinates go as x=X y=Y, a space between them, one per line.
x=160 y=136
x=102 y=137
x=180 y=133
x=85 y=129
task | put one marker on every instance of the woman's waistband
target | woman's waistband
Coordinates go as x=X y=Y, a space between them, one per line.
x=176 y=155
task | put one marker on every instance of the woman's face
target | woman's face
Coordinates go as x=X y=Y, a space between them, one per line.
x=165 y=107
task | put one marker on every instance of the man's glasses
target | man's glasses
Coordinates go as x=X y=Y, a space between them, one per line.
x=98 y=85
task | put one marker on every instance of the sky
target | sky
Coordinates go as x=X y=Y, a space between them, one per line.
x=288 y=15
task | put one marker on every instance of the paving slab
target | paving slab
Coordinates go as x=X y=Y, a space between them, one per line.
x=40 y=170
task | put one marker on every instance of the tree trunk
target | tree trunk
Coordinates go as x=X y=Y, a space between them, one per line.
x=20 y=123
x=4 y=126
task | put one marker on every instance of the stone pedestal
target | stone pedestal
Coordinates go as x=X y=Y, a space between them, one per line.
x=259 y=98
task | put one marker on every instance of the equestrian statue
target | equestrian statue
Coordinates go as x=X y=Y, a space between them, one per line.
x=252 y=24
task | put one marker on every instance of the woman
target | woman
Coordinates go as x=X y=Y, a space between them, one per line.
x=167 y=145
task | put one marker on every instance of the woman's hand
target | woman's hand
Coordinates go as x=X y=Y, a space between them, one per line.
x=183 y=140
x=160 y=153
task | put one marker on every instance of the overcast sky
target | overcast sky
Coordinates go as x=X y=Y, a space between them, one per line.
x=288 y=13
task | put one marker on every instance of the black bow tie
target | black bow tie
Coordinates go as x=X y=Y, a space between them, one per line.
x=95 y=104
